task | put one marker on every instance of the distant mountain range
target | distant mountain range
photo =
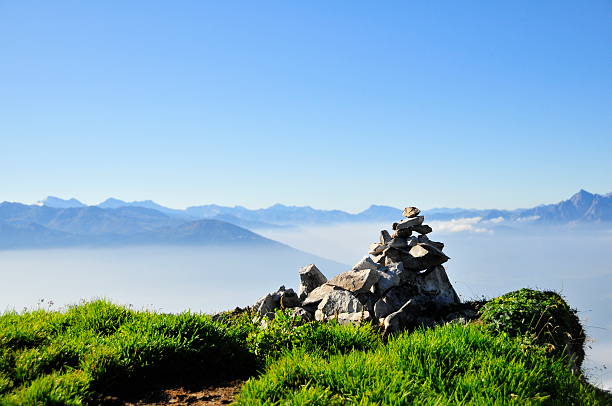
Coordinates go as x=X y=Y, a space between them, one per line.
x=581 y=207
x=35 y=226
x=58 y=222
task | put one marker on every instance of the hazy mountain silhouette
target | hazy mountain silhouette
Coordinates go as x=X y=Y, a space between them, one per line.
x=112 y=203
x=114 y=216
x=23 y=226
x=52 y=201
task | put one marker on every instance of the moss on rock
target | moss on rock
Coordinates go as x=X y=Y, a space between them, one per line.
x=542 y=315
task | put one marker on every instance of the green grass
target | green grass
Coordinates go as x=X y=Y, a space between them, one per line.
x=449 y=365
x=97 y=349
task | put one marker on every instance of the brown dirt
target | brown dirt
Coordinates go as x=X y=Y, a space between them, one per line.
x=218 y=395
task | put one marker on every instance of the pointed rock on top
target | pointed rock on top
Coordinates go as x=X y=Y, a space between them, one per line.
x=411 y=212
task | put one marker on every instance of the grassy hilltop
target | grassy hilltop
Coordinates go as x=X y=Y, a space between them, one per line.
x=519 y=352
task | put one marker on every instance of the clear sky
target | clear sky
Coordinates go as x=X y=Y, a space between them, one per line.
x=334 y=104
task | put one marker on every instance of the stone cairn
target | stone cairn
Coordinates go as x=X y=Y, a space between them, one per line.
x=400 y=285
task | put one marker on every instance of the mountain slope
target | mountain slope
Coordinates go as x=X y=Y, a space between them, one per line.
x=201 y=232
x=88 y=220
x=23 y=226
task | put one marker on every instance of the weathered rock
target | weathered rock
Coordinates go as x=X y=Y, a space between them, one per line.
x=392 y=255
x=382 y=309
x=406 y=276
x=367 y=300
x=388 y=279
x=317 y=295
x=423 y=256
x=336 y=302
x=380 y=259
x=310 y=279
x=411 y=212
x=366 y=263
x=403 y=233
x=385 y=237
x=355 y=281
x=409 y=223
x=436 y=286
x=425 y=240
x=398 y=242
x=376 y=249
x=406 y=316
x=281 y=299
x=422 y=229
x=393 y=300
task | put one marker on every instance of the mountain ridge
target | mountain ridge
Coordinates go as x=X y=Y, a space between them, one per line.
x=122 y=223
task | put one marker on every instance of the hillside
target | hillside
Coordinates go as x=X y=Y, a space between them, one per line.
x=100 y=353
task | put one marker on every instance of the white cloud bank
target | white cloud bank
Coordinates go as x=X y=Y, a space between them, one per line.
x=472 y=224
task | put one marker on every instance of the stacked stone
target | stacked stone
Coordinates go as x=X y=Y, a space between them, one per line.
x=401 y=286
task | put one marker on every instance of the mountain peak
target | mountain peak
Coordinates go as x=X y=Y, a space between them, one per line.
x=52 y=201
x=582 y=197
x=112 y=203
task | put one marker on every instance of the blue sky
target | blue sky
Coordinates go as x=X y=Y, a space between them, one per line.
x=330 y=104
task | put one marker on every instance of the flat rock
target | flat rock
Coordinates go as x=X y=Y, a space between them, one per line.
x=411 y=212
x=310 y=279
x=422 y=229
x=423 y=239
x=376 y=249
x=423 y=256
x=366 y=263
x=409 y=223
x=355 y=281
x=403 y=233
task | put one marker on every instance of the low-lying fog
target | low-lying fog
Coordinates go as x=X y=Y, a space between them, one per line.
x=573 y=262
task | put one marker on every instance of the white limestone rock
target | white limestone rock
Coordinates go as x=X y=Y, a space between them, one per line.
x=336 y=302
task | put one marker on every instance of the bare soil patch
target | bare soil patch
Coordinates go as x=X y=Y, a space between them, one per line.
x=213 y=395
